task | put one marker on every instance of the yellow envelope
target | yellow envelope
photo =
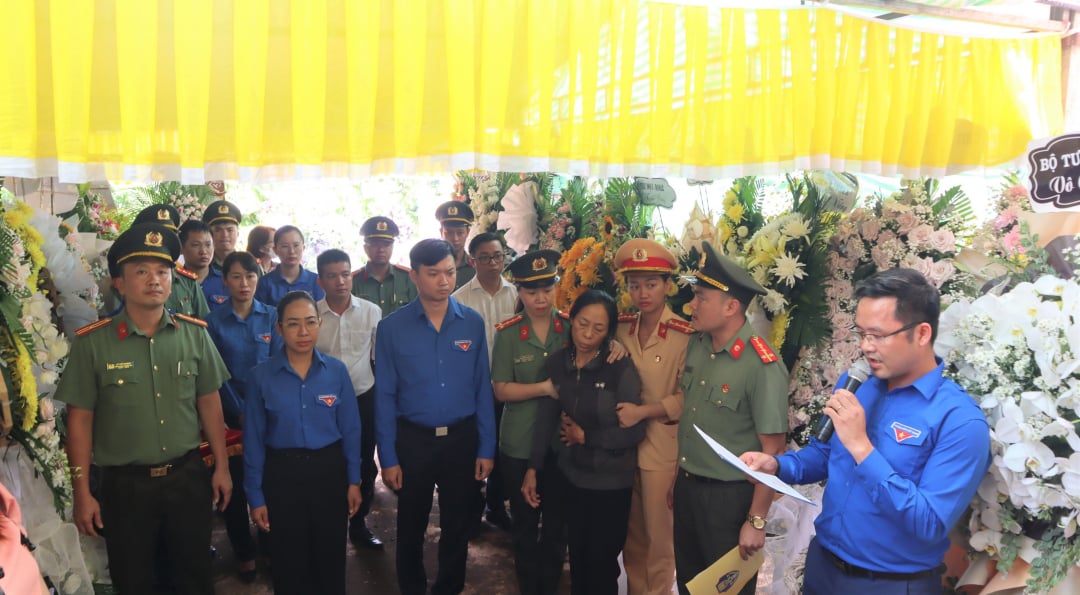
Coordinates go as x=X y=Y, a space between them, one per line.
x=727 y=575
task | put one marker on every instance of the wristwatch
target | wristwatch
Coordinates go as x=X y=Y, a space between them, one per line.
x=757 y=522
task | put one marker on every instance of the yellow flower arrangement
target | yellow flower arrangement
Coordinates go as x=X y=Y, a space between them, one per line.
x=27 y=386
x=581 y=266
x=17 y=215
x=778 y=332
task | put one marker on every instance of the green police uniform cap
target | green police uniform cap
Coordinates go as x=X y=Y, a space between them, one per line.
x=535 y=269
x=454 y=213
x=720 y=272
x=379 y=227
x=221 y=211
x=166 y=215
x=144 y=240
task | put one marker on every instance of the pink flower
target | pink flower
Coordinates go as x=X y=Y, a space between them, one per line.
x=881 y=259
x=905 y=222
x=1011 y=242
x=941 y=271
x=1006 y=218
x=943 y=240
x=920 y=235
x=870 y=229
x=886 y=236
x=1017 y=193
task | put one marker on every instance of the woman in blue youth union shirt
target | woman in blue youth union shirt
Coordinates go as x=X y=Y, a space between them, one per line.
x=302 y=454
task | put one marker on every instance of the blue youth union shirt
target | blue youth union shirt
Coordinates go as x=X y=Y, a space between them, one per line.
x=272 y=287
x=242 y=343
x=432 y=378
x=893 y=512
x=213 y=287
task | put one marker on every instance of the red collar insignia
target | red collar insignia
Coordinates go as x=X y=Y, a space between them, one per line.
x=523 y=333
x=463 y=344
x=121 y=330
x=558 y=324
x=737 y=348
x=328 y=400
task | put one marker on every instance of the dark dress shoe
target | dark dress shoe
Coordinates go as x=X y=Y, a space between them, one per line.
x=247 y=576
x=363 y=537
x=498 y=517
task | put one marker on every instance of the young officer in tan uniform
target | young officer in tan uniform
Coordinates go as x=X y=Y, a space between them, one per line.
x=656 y=339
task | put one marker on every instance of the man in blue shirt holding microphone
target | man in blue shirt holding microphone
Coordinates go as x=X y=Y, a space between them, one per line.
x=909 y=451
x=435 y=418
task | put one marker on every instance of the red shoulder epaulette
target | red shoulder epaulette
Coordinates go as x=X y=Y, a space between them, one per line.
x=562 y=314
x=509 y=322
x=357 y=272
x=190 y=319
x=628 y=317
x=763 y=350
x=402 y=268
x=681 y=325
x=93 y=326
x=189 y=274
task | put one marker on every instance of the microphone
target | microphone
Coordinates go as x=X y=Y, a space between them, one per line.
x=858 y=374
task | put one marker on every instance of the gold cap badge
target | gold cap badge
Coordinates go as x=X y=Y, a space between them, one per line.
x=451 y=211
x=163 y=215
x=640 y=255
x=539 y=264
x=223 y=209
x=380 y=226
x=153 y=239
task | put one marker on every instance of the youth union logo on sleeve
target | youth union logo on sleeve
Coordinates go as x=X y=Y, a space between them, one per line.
x=463 y=344
x=328 y=400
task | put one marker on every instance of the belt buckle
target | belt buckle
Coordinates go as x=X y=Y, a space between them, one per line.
x=442 y=431
x=160 y=471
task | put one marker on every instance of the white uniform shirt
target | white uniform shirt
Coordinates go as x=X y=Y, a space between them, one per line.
x=492 y=308
x=350 y=337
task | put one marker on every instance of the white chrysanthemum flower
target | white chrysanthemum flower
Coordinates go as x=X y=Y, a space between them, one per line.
x=788 y=269
x=774 y=301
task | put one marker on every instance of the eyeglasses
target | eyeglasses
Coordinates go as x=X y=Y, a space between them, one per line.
x=874 y=338
x=490 y=258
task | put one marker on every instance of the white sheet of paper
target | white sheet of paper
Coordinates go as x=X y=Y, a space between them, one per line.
x=770 y=480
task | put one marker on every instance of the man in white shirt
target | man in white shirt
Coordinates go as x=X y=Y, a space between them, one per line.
x=495 y=298
x=348 y=333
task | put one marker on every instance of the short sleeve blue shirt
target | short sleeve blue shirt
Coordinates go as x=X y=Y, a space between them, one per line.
x=432 y=378
x=243 y=343
x=286 y=411
x=931 y=452
x=272 y=287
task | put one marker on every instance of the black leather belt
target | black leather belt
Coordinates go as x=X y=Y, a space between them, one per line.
x=860 y=572
x=438 y=431
x=160 y=470
x=701 y=479
x=303 y=454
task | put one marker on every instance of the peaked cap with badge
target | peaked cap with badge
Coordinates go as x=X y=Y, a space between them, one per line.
x=166 y=215
x=535 y=269
x=221 y=211
x=379 y=227
x=151 y=240
x=641 y=255
x=720 y=272
x=454 y=213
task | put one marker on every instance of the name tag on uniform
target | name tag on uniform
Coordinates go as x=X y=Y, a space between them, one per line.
x=523 y=359
x=119 y=365
x=328 y=400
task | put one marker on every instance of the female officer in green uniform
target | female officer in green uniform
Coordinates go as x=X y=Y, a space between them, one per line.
x=522 y=345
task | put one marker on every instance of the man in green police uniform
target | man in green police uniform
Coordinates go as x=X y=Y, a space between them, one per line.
x=187 y=295
x=138 y=387
x=455 y=218
x=386 y=285
x=224 y=220
x=736 y=392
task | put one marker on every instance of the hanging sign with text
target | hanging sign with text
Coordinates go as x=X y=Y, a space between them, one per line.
x=1054 y=176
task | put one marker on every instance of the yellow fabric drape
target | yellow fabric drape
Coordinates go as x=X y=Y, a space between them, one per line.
x=246 y=89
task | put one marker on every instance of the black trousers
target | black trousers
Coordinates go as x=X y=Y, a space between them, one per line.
x=448 y=462
x=138 y=510
x=237 y=520
x=708 y=518
x=308 y=508
x=539 y=549
x=495 y=495
x=368 y=469
x=596 y=531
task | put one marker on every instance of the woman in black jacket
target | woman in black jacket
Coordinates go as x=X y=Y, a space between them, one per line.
x=601 y=456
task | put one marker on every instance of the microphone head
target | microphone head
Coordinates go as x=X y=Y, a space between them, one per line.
x=860 y=370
